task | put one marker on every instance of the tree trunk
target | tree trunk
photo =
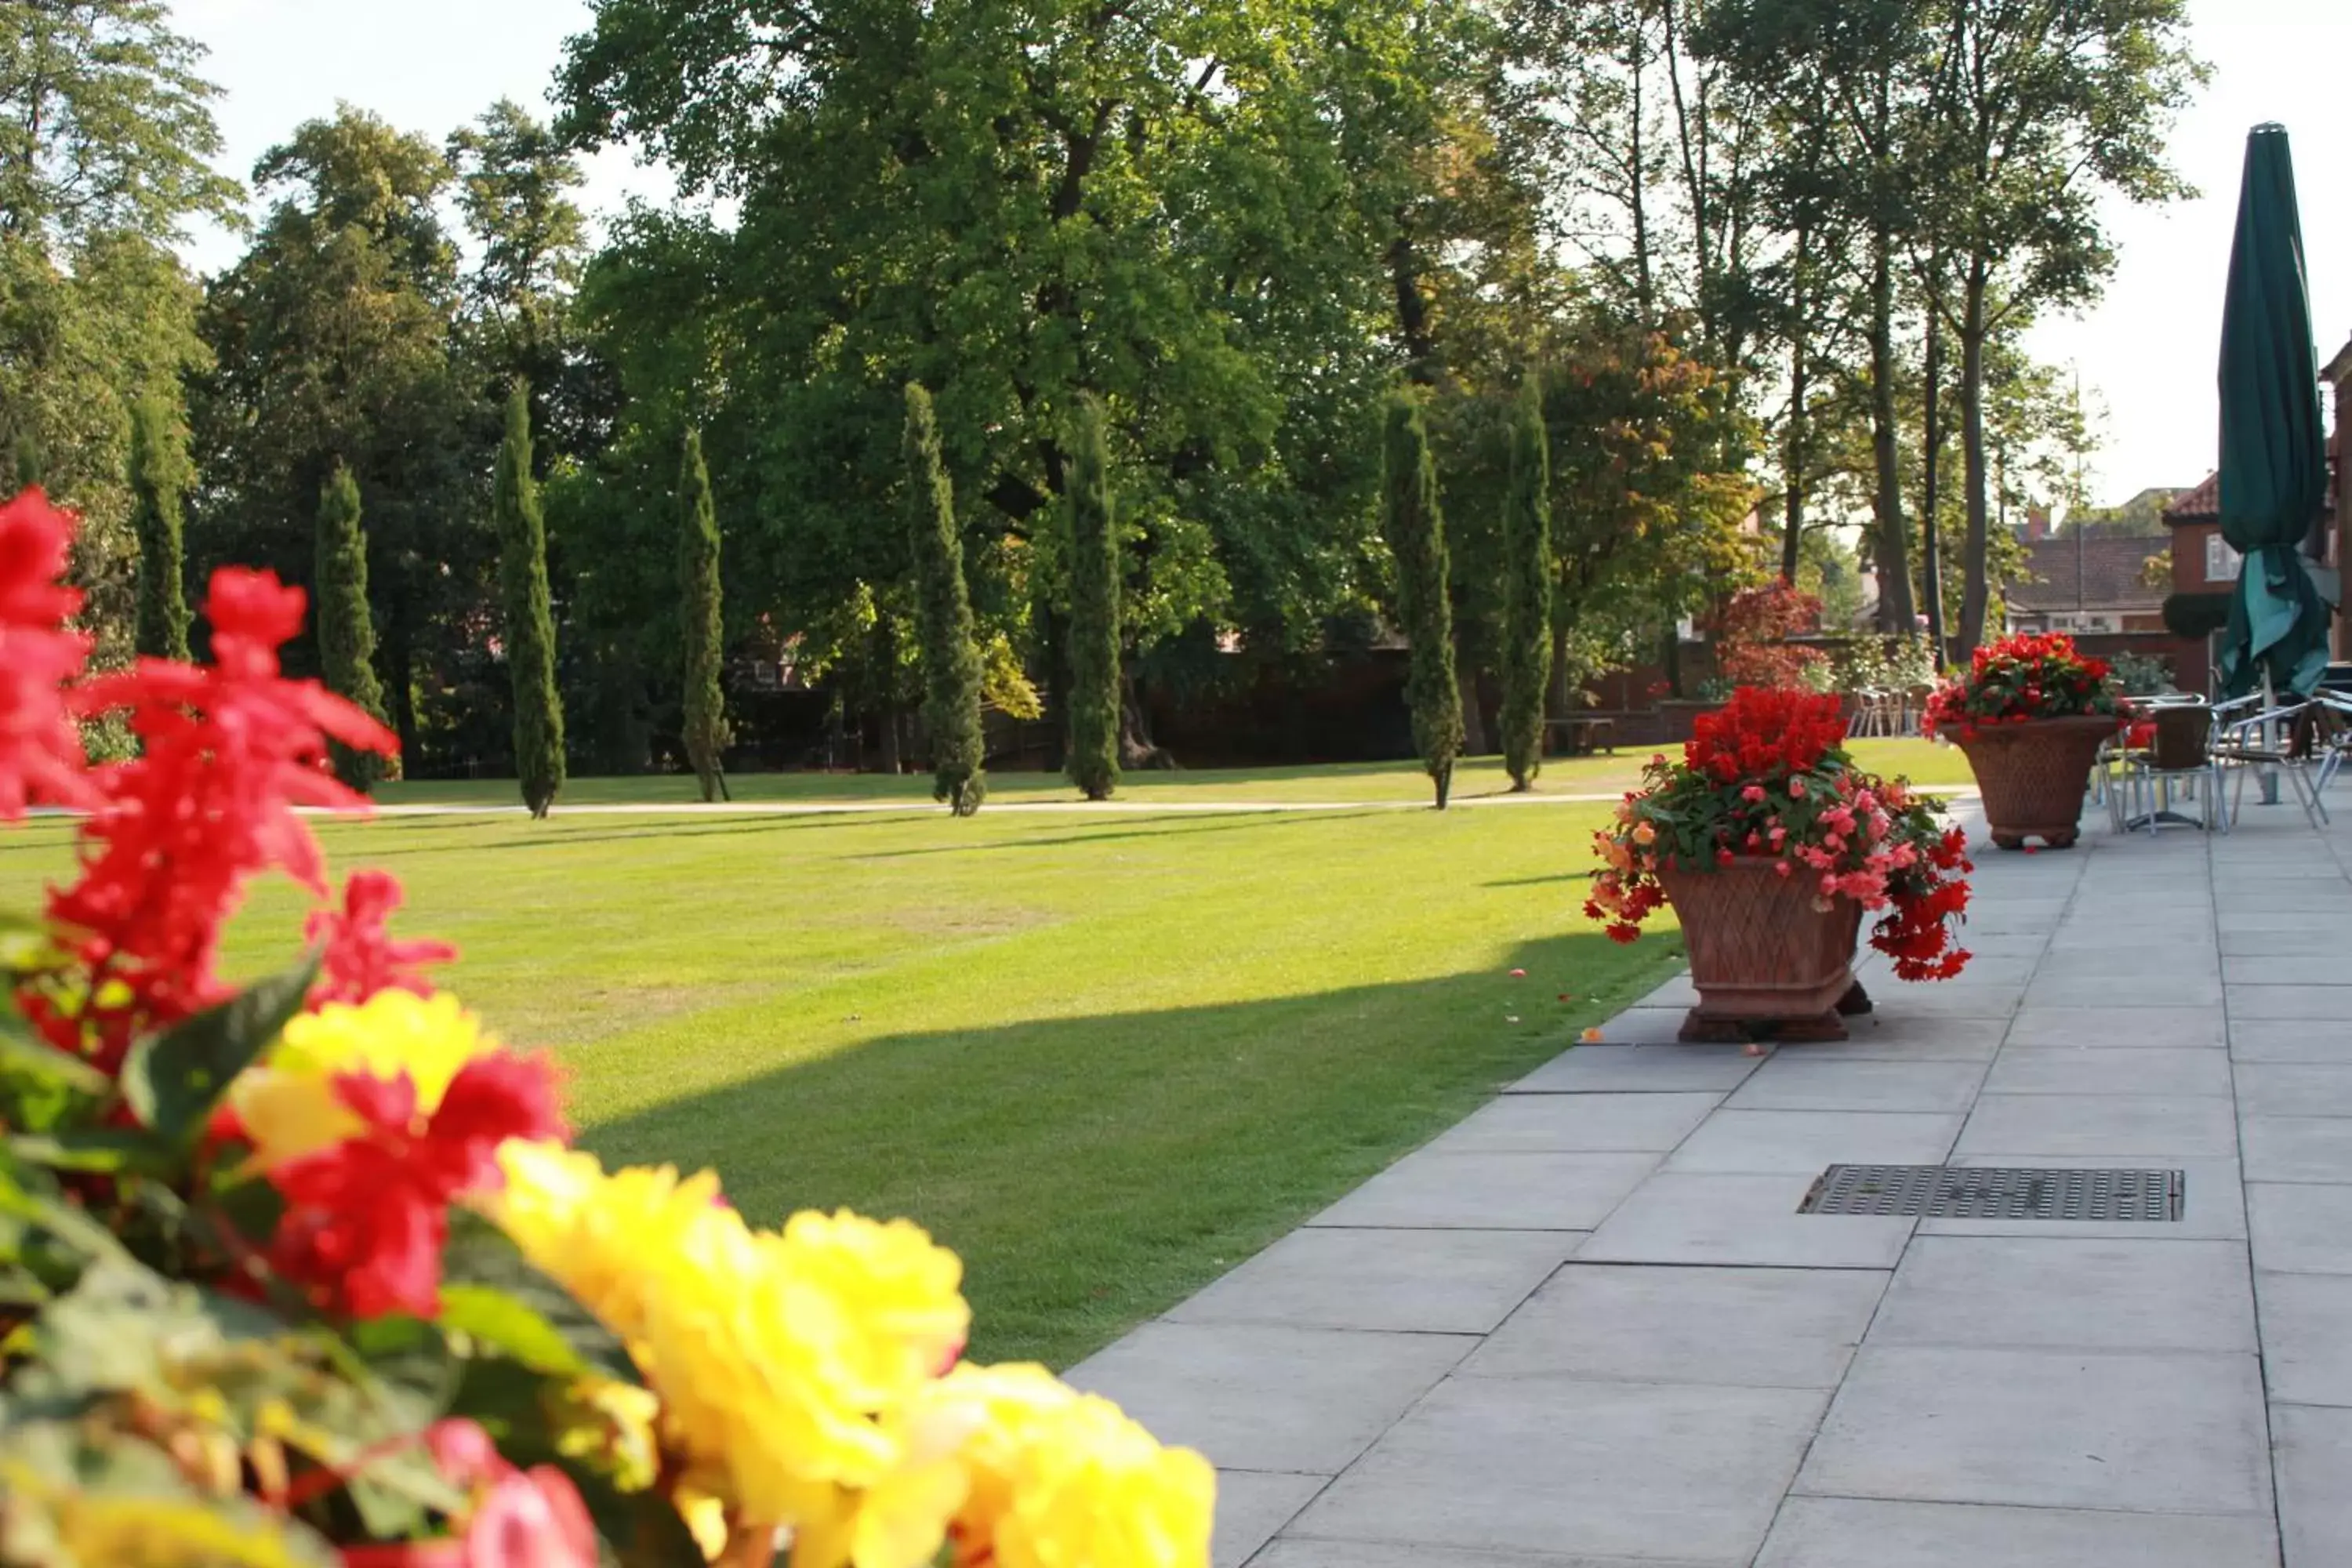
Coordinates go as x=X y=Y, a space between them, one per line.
x=1793 y=537
x=1931 y=491
x=1896 y=612
x=1137 y=749
x=1975 y=592
x=1558 y=704
x=1473 y=721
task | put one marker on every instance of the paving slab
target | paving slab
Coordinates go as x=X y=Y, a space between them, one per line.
x=2131 y=962
x=2179 y=1432
x=1254 y=1504
x=1616 y=1470
x=2061 y=985
x=1740 y=1220
x=2132 y=1028
x=1794 y=1081
x=2307 y=1337
x=2289 y=969
x=2201 y=1073
x=1647 y=1026
x=1261 y=1397
x=1802 y=1142
x=1892 y=1034
x=1306 y=1551
x=2296 y=1147
x=1419 y=1281
x=2304 y=939
x=1492 y=1192
x=2137 y=1127
x=2213 y=1206
x=2294 y=1089
x=2300 y=1229
x=1579 y=1124
x=2315 y=1506
x=1764 y=1328
x=1640 y=1069
x=2291 y=1040
x=2320 y=1004
x=1849 y=1532
x=2070 y=1293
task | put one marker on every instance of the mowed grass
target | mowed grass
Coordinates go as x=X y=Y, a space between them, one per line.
x=1477 y=779
x=1104 y=1056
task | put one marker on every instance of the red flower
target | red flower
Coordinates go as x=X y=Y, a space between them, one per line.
x=41 y=751
x=365 y=1218
x=360 y=958
x=226 y=755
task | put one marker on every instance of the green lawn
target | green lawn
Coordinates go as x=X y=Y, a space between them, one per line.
x=1478 y=778
x=1105 y=1058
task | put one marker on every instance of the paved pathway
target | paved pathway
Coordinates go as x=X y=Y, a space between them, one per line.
x=1586 y=1328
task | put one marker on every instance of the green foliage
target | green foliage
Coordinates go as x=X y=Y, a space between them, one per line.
x=705 y=732
x=951 y=662
x=529 y=619
x=1526 y=588
x=158 y=476
x=346 y=626
x=1415 y=530
x=2197 y=616
x=173 y=1081
x=333 y=341
x=1094 y=690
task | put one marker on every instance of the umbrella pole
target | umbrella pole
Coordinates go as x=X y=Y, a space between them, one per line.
x=2270 y=779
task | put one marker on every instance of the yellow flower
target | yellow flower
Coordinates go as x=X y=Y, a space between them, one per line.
x=1062 y=1479
x=784 y=1362
x=287 y=1102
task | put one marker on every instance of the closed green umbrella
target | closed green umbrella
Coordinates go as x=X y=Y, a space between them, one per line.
x=2274 y=458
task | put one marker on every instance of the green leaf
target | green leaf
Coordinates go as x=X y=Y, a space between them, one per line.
x=24 y=1054
x=101 y=1150
x=506 y=1323
x=481 y=1255
x=175 y=1079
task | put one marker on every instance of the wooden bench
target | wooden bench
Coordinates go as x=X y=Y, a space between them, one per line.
x=1581 y=733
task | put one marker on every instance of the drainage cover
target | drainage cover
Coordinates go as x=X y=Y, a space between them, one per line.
x=1947 y=1192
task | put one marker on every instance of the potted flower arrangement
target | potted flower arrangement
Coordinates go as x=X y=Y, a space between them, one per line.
x=1771 y=845
x=2029 y=712
x=307 y=1274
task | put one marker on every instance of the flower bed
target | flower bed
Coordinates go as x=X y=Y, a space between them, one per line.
x=1767 y=779
x=308 y=1273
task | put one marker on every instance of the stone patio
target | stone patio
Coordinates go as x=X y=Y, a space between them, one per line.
x=1588 y=1328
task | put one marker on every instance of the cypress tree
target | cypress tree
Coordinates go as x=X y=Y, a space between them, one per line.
x=346 y=629
x=1092 y=760
x=952 y=669
x=530 y=619
x=156 y=463
x=1526 y=588
x=705 y=732
x=1416 y=531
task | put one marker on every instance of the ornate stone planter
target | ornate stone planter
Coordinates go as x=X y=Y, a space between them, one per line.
x=2034 y=775
x=1765 y=961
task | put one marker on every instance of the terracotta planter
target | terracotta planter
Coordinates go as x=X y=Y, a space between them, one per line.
x=2034 y=777
x=1765 y=961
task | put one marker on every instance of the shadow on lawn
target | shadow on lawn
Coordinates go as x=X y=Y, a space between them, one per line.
x=1137 y=827
x=1094 y=1171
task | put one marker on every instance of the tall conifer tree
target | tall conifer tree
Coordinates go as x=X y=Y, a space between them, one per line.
x=952 y=669
x=346 y=628
x=1527 y=587
x=530 y=617
x=1093 y=761
x=1416 y=531
x=158 y=464
x=705 y=732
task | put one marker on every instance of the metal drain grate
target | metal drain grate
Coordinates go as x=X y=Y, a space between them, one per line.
x=1947 y=1192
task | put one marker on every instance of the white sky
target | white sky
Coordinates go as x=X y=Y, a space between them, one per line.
x=2145 y=352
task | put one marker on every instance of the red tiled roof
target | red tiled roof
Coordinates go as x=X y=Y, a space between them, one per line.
x=2203 y=504
x=2088 y=574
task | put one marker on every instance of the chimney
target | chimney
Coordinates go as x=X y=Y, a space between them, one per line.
x=2037 y=522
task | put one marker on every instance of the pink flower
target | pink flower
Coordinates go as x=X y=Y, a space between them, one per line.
x=1753 y=794
x=1796 y=789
